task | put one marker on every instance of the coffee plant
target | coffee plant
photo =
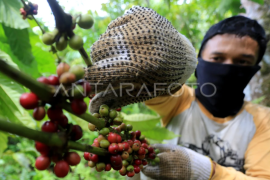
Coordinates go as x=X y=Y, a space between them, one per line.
x=117 y=146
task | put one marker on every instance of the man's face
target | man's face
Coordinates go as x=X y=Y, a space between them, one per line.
x=231 y=49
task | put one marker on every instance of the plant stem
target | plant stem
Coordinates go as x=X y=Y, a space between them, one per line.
x=43 y=91
x=87 y=148
x=42 y=30
x=85 y=57
x=51 y=139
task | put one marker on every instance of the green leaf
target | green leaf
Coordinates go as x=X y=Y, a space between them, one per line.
x=259 y=1
x=30 y=69
x=3 y=142
x=18 y=40
x=159 y=134
x=10 y=14
x=10 y=93
x=142 y=122
x=28 y=48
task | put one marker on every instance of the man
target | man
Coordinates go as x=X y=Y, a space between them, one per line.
x=222 y=136
x=216 y=122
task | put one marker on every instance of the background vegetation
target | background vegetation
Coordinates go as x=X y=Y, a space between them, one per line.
x=21 y=46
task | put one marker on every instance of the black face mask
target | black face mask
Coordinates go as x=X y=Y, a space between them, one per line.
x=220 y=86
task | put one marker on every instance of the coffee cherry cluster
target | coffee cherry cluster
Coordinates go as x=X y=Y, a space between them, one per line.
x=76 y=92
x=60 y=156
x=28 y=10
x=126 y=156
x=61 y=40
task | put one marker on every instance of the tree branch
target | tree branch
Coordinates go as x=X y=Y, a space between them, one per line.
x=51 y=139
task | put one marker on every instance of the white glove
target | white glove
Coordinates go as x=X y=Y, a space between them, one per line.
x=179 y=163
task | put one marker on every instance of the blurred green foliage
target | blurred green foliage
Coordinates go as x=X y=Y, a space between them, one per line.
x=22 y=47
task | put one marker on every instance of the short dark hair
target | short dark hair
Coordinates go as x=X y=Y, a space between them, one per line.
x=240 y=26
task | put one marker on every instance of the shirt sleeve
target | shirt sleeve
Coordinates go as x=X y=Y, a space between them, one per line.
x=257 y=156
x=171 y=105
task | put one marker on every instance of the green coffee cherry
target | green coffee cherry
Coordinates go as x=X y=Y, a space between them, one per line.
x=125 y=163
x=104 y=105
x=113 y=113
x=86 y=21
x=100 y=166
x=78 y=92
x=78 y=71
x=153 y=163
x=104 y=131
x=142 y=137
x=104 y=143
x=130 y=168
x=129 y=127
x=76 y=42
x=157 y=151
x=157 y=160
x=48 y=38
x=103 y=111
x=62 y=43
x=96 y=115
x=117 y=121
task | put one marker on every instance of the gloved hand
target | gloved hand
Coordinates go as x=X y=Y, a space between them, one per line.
x=179 y=163
x=141 y=48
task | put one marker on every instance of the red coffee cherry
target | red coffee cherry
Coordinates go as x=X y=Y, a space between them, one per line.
x=53 y=80
x=39 y=113
x=144 y=145
x=130 y=174
x=138 y=142
x=78 y=106
x=141 y=151
x=63 y=121
x=72 y=158
x=118 y=109
x=86 y=156
x=118 y=138
x=76 y=132
x=42 y=148
x=49 y=126
x=108 y=167
x=61 y=168
x=144 y=162
x=116 y=162
x=130 y=142
x=137 y=169
x=112 y=137
x=43 y=80
x=93 y=157
x=113 y=148
x=150 y=150
x=42 y=162
x=138 y=162
x=54 y=113
x=152 y=156
x=29 y=100
x=138 y=134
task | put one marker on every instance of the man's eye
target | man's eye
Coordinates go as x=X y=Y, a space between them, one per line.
x=243 y=62
x=217 y=58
